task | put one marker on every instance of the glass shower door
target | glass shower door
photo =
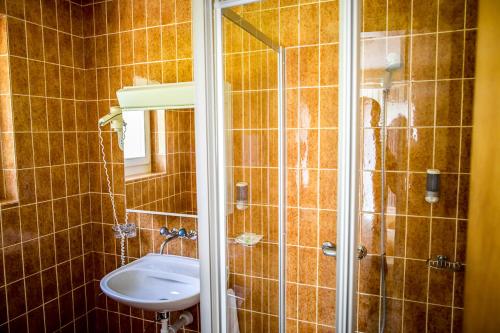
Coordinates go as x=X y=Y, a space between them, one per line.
x=253 y=158
x=256 y=293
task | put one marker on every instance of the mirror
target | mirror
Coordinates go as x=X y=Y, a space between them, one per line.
x=160 y=165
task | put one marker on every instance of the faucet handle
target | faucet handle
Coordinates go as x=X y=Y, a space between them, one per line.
x=192 y=235
x=182 y=232
x=164 y=231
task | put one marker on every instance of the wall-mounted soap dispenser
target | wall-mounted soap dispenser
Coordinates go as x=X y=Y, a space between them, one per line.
x=432 y=186
x=242 y=195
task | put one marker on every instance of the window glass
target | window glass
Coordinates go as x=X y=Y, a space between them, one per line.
x=135 y=138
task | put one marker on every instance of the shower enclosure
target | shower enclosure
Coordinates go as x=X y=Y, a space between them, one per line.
x=251 y=80
x=277 y=283
x=324 y=121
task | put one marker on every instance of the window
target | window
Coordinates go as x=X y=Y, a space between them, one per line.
x=137 y=145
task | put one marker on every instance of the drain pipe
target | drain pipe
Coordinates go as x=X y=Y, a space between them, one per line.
x=163 y=318
x=185 y=319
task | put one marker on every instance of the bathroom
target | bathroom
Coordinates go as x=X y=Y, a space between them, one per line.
x=239 y=165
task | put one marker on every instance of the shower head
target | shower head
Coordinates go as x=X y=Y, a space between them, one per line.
x=393 y=64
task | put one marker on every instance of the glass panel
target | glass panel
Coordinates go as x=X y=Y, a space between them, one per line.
x=135 y=140
x=251 y=128
x=309 y=33
x=160 y=164
x=415 y=110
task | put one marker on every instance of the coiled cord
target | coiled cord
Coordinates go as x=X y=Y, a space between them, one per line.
x=112 y=198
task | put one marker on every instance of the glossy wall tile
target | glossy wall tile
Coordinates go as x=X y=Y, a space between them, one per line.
x=127 y=42
x=64 y=62
x=309 y=31
x=428 y=121
x=46 y=245
x=251 y=129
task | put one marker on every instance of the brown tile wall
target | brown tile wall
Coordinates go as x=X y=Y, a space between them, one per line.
x=125 y=40
x=159 y=138
x=46 y=264
x=64 y=75
x=56 y=240
x=437 y=44
x=309 y=31
x=429 y=113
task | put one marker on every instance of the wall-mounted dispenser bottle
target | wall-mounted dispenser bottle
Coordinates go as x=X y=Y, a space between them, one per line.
x=242 y=195
x=432 y=186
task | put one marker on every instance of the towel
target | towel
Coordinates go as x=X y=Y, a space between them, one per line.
x=232 y=313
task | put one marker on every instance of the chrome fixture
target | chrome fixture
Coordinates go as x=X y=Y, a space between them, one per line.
x=185 y=319
x=362 y=252
x=170 y=236
x=163 y=318
x=394 y=63
x=162 y=315
x=192 y=235
x=442 y=262
x=330 y=250
x=129 y=230
x=174 y=233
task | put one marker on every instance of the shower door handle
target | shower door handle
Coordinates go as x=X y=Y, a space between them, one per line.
x=329 y=249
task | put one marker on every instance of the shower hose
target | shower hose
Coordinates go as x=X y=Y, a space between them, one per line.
x=383 y=309
x=112 y=198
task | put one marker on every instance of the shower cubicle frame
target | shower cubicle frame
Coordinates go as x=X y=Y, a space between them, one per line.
x=210 y=161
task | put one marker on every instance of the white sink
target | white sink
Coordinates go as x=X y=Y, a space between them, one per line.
x=156 y=283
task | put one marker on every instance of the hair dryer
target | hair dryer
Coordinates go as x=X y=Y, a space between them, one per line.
x=115 y=119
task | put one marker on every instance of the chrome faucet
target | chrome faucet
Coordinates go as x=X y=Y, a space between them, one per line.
x=170 y=235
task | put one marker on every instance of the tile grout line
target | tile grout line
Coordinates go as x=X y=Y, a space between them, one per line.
x=79 y=186
x=111 y=154
x=50 y=168
x=64 y=162
x=298 y=176
x=318 y=163
x=34 y=175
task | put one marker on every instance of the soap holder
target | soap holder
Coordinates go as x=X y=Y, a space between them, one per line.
x=129 y=230
x=248 y=239
x=442 y=262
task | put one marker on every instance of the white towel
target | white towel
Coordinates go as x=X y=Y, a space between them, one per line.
x=232 y=313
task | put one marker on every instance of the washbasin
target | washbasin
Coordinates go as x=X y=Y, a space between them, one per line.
x=155 y=282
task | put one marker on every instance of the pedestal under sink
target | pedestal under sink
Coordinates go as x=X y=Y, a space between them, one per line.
x=155 y=282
